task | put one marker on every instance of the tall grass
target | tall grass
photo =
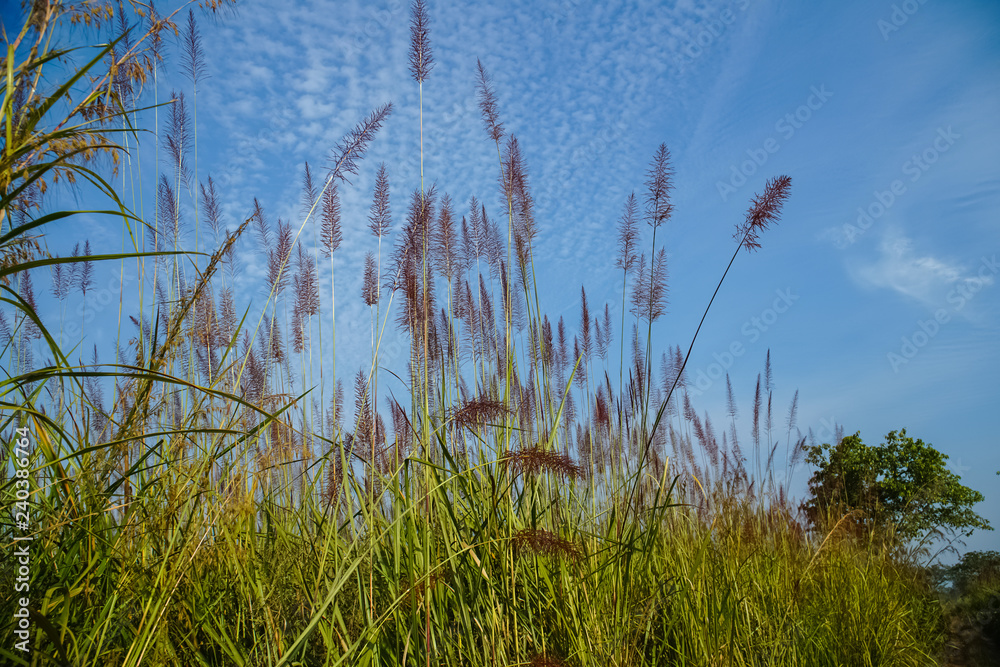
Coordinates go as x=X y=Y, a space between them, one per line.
x=515 y=507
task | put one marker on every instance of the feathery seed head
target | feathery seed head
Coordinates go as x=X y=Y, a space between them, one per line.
x=193 y=58
x=480 y=412
x=488 y=103
x=330 y=233
x=309 y=192
x=544 y=543
x=584 y=324
x=380 y=217
x=421 y=58
x=628 y=236
x=535 y=459
x=369 y=290
x=213 y=210
x=764 y=209
x=352 y=147
x=659 y=183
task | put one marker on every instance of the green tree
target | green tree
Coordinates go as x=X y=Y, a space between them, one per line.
x=976 y=570
x=903 y=483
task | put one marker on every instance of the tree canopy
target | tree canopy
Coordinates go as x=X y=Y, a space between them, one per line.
x=903 y=482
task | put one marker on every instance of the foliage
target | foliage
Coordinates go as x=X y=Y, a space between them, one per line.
x=976 y=569
x=973 y=607
x=904 y=482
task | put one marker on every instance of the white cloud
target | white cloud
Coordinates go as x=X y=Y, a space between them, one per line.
x=930 y=280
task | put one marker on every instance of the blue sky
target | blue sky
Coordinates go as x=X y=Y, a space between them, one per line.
x=877 y=292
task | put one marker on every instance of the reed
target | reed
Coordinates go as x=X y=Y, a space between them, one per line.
x=514 y=505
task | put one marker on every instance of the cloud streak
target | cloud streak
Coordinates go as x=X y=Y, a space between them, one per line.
x=921 y=277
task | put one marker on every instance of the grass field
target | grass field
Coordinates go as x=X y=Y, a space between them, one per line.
x=209 y=498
